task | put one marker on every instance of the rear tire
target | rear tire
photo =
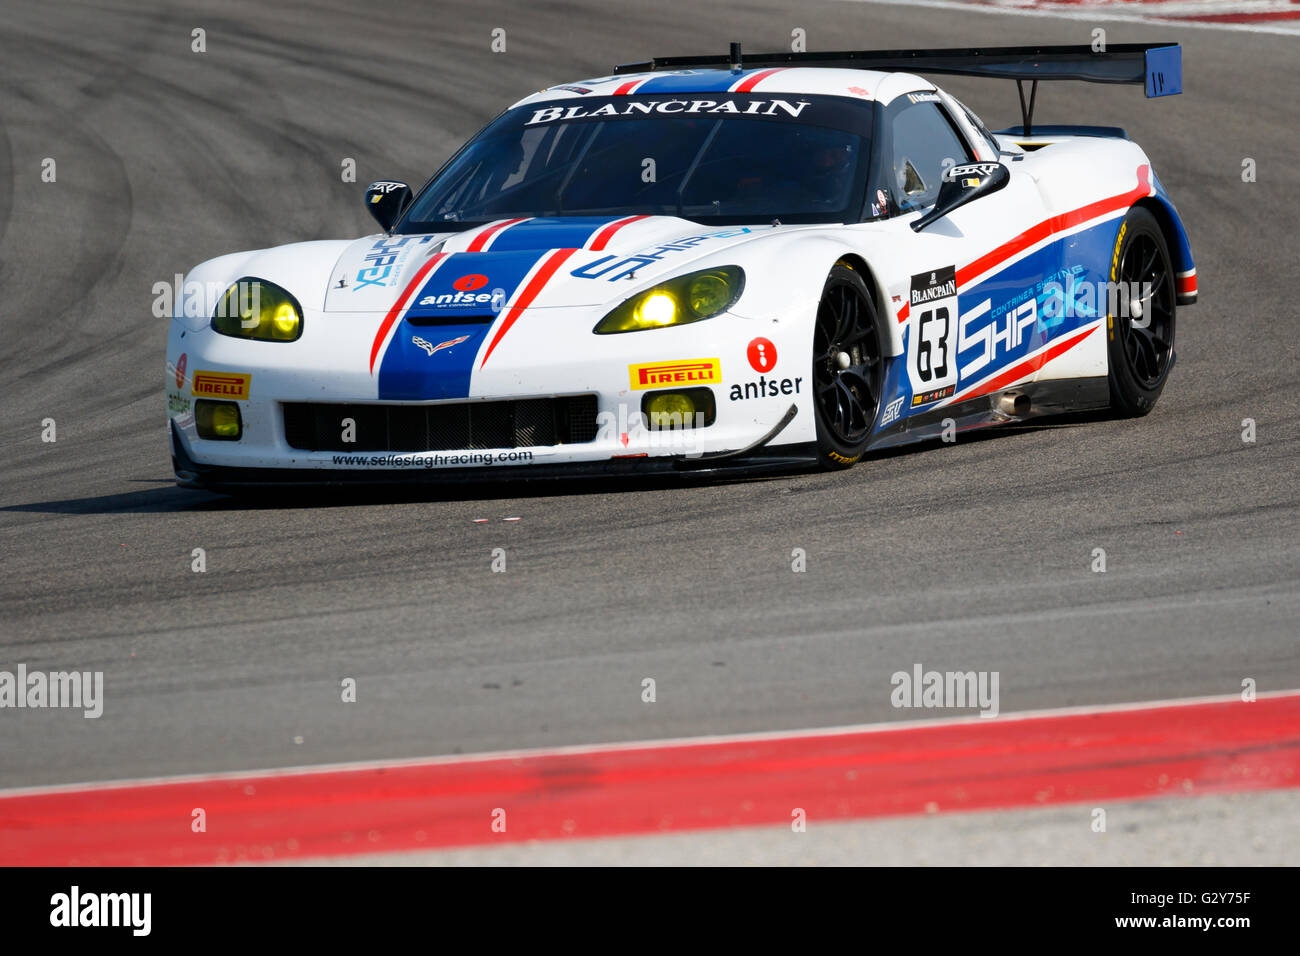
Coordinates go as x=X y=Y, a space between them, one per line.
x=847 y=369
x=1140 y=340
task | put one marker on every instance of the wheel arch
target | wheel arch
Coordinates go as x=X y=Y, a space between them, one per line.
x=1180 y=249
x=891 y=336
x=785 y=276
x=858 y=264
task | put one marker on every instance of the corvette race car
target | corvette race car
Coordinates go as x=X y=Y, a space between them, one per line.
x=700 y=264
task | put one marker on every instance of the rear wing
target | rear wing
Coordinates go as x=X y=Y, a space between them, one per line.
x=1157 y=66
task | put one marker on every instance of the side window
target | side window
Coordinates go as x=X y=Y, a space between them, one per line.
x=924 y=143
x=983 y=131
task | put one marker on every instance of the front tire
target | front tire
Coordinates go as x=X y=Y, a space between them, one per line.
x=1140 y=340
x=847 y=369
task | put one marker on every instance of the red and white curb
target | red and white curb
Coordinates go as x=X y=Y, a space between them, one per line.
x=1176 y=748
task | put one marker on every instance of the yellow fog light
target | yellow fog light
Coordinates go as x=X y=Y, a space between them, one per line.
x=218 y=421
x=688 y=408
x=257 y=309
x=688 y=298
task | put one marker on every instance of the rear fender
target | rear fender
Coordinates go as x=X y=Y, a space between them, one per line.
x=1180 y=248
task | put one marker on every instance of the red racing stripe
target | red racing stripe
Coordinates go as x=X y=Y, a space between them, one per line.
x=1027 y=367
x=1187 y=283
x=482 y=238
x=747 y=84
x=531 y=291
x=1046 y=229
x=400 y=304
x=1081 y=756
x=626 y=88
x=607 y=233
x=1055 y=224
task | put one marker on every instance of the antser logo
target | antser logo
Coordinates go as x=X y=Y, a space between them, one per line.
x=103 y=909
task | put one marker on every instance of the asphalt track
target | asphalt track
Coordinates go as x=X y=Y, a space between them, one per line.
x=973 y=556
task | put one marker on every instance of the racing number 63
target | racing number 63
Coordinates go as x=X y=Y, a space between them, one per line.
x=932 y=345
x=926 y=368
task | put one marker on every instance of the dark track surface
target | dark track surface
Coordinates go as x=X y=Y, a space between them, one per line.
x=974 y=556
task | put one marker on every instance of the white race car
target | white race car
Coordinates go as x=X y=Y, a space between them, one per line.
x=695 y=265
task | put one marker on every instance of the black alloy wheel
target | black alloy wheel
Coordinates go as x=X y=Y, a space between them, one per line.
x=847 y=368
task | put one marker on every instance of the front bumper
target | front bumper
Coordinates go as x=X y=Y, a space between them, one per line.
x=760 y=458
x=270 y=378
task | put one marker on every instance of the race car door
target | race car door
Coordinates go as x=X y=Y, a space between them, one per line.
x=973 y=298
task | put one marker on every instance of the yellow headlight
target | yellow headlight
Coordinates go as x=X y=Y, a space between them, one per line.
x=257 y=309
x=658 y=309
x=708 y=293
x=688 y=298
x=284 y=323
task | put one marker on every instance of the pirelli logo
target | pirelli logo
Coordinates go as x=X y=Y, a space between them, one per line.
x=707 y=371
x=221 y=384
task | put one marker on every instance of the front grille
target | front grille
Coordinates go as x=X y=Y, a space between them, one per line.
x=527 y=423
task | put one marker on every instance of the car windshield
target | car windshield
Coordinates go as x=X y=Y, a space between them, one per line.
x=713 y=158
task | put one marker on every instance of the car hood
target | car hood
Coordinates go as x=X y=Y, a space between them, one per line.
x=574 y=261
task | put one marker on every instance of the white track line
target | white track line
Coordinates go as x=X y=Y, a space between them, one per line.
x=576 y=749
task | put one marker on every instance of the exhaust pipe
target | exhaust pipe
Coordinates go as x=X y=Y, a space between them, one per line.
x=1014 y=403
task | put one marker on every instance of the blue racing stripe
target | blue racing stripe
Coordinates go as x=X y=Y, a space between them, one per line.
x=701 y=81
x=566 y=232
x=423 y=364
x=431 y=355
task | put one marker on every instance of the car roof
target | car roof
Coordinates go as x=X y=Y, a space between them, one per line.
x=857 y=84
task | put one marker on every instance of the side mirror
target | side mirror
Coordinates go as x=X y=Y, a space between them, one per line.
x=387 y=201
x=962 y=184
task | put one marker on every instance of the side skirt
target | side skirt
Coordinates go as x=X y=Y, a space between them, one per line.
x=1016 y=404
